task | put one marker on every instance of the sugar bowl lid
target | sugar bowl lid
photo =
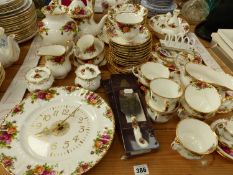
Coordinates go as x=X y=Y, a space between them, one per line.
x=38 y=75
x=87 y=71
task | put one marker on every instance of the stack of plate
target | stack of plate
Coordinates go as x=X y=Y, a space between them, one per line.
x=123 y=55
x=18 y=17
x=2 y=74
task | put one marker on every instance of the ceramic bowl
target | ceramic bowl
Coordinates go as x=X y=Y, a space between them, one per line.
x=196 y=136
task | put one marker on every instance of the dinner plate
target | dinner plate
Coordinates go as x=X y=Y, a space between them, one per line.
x=206 y=74
x=59 y=131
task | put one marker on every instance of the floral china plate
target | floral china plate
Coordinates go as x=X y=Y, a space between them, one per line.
x=206 y=74
x=59 y=131
x=141 y=38
x=222 y=149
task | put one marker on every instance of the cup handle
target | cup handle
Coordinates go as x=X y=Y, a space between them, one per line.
x=135 y=72
x=175 y=145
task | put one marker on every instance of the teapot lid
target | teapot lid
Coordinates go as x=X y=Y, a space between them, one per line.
x=87 y=71
x=54 y=8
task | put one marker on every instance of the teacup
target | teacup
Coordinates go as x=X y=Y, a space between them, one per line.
x=165 y=94
x=85 y=43
x=149 y=71
x=196 y=137
x=226 y=130
x=128 y=25
x=157 y=116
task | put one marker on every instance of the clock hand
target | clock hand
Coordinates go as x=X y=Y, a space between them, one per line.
x=47 y=131
x=60 y=125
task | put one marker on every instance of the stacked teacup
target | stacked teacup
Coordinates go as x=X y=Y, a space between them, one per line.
x=224 y=131
x=163 y=99
x=194 y=139
x=131 y=42
x=89 y=50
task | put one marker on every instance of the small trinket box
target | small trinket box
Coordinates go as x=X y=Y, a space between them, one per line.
x=39 y=78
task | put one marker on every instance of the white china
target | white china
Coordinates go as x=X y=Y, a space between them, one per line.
x=85 y=21
x=128 y=25
x=42 y=145
x=167 y=24
x=9 y=49
x=60 y=66
x=88 y=76
x=227 y=105
x=128 y=8
x=143 y=36
x=202 y=97
x=157 y=117
x=149 y=71
x=85 y=42
x=57 y=27
x=51 y=50
x=196 y=136
x=98 y=60
x=225 y=130
x=91 y=52
x=175 y=145
x=165 y=94
x=206 y=74
x=224 y=149
x=39 y=78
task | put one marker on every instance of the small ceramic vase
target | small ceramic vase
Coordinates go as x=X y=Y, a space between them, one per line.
x=88 y=76
x=39 y=78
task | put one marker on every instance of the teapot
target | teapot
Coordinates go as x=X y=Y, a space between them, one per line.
x=57 y=27
x=9 y=49
x=85 y=22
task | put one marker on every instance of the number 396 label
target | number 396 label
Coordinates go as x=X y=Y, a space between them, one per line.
x=141 y=169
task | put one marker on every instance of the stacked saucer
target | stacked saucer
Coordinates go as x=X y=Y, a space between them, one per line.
x=224 y=130
x=158 y=7
x=18 y=17
x=123 y=54
x=2 y=74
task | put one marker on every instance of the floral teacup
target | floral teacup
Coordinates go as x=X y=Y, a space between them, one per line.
x=165 y=94
x=128 y=25
x=225 y=130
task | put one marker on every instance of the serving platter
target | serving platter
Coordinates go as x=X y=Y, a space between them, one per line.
x=206 y=74
x=63 y=130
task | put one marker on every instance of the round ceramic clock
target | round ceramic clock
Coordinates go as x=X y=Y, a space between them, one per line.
x=64 y=130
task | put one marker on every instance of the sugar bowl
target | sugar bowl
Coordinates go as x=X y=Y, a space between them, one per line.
x=39 y=78
x=194 y=139
x=88 y=76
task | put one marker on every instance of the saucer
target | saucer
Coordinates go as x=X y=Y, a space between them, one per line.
x=158 y=118
x=141 y=38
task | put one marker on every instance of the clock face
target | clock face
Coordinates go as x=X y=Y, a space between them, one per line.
x=62 y=130
x=46 y=140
